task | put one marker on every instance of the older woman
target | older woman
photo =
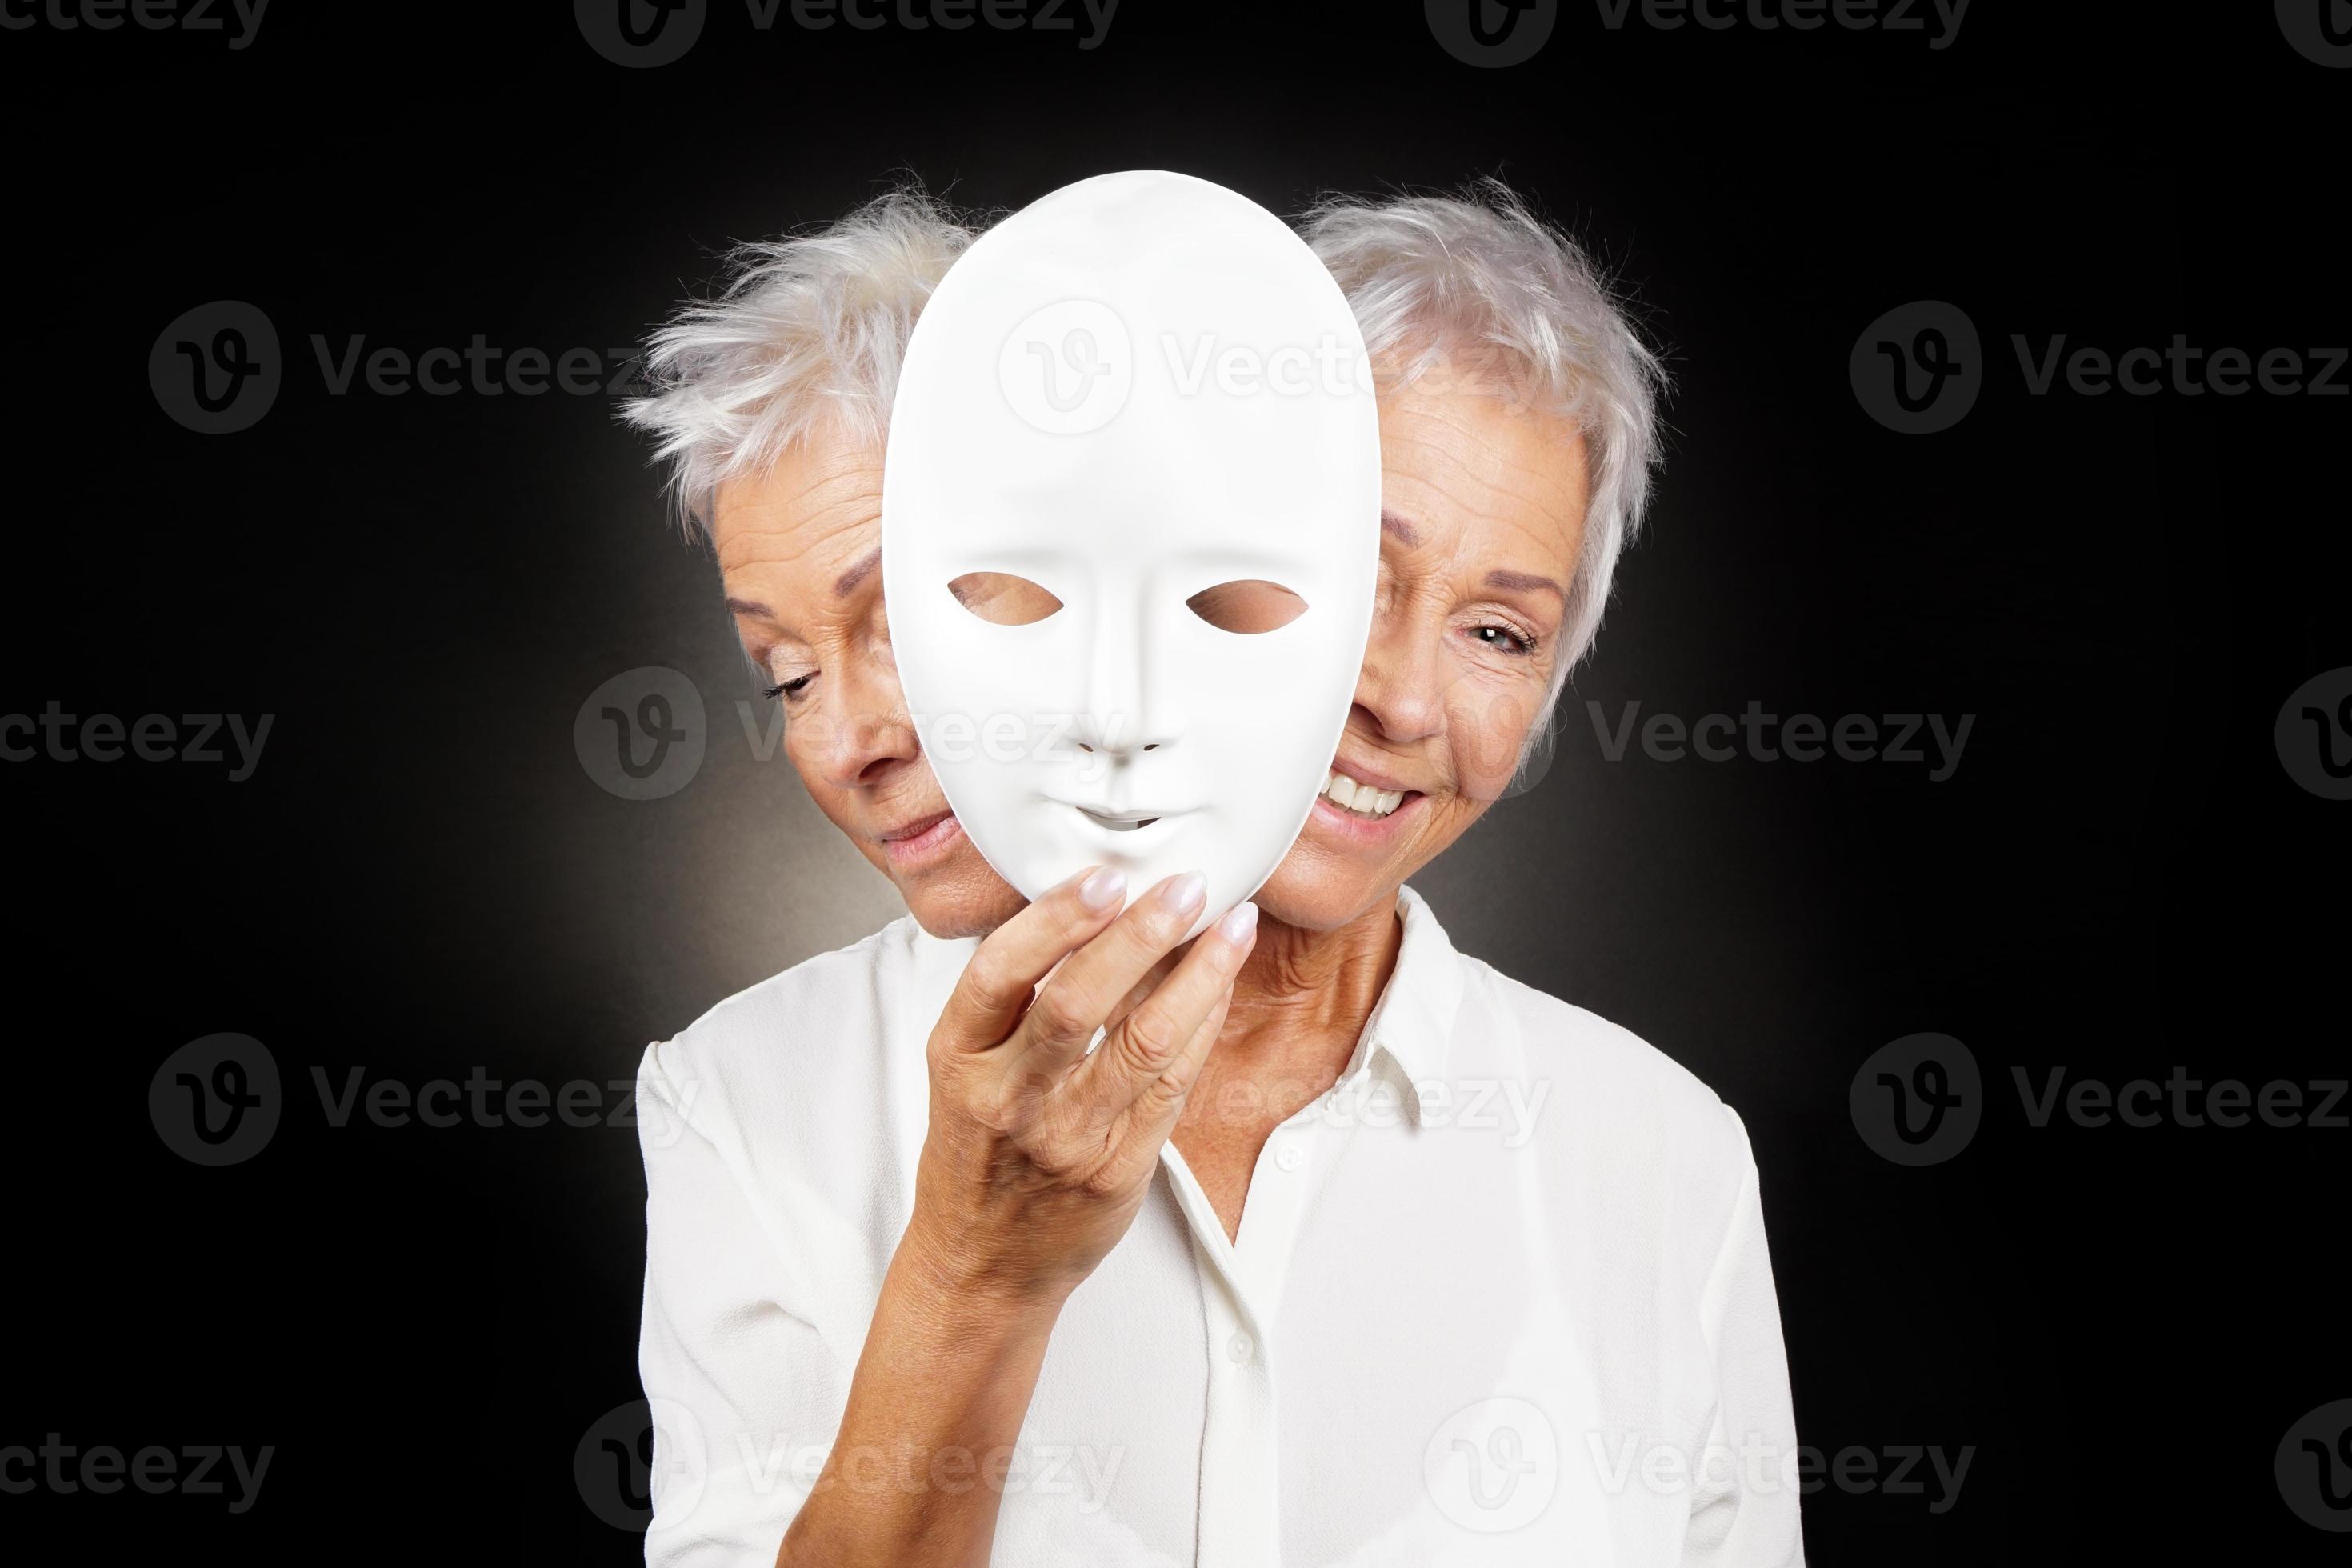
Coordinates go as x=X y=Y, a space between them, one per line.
x=1342 y=1248
x=778 y=396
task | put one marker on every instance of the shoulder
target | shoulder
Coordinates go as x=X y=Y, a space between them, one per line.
x=1613 y=1095
x=1494 y=1025
x=790 y=1113
x=827 y=1027
x=1605 y=1057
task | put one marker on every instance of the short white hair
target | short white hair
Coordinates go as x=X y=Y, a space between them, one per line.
x=806 y=334
x=1479 y=283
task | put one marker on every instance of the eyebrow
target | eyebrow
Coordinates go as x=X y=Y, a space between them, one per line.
x=841 y=586
x=1405 y=533
x=858 y=574
x=1523 y=580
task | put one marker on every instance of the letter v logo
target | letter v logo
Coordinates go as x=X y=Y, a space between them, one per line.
x=640 y=33
x=1918 y=369
x=1491 y=34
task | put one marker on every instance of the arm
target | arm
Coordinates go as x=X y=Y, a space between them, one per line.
x=1747 y=1514
x=741 y=1384
x=1037 y=1157
x=945 y=1379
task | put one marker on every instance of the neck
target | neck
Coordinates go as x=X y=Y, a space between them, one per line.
x=1306 y=993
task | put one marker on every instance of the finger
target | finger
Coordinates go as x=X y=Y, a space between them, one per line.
x=1002 y=977
x=1142 y=989
x=1062 y=1022
x=1156 y=1110
x=1159 y=1032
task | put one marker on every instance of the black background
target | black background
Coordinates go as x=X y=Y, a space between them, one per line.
x=420 y=880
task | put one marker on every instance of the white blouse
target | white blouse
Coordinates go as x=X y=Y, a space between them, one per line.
x=1501 y=1295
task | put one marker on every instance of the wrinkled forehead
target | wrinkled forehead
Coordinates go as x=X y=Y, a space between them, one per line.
x=1139 y=363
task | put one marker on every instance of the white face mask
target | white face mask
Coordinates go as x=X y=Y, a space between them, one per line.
x=1130 y=525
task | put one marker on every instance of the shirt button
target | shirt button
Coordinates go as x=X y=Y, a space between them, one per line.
x=1239 y=1347
x=1288 y=1157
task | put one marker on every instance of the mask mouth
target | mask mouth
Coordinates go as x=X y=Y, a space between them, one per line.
x=1118 y=822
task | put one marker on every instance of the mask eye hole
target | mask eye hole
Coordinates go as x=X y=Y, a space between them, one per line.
x=1248 y=605
x=1003 y=599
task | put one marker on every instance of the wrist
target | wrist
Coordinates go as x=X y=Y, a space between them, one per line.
x=940 y=1263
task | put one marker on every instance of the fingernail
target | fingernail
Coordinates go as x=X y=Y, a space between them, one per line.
x=1184 y=894
x=1103 y=888
x=1239 y=922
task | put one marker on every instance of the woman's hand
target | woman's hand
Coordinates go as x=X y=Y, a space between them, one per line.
x=1039 y=1153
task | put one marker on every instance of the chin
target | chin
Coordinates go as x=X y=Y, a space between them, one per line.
x=1317 y=892
x=961 y=898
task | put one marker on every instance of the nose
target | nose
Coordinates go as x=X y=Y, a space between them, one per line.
x=1401 y=686
x=863 y=733
x=1126 y=712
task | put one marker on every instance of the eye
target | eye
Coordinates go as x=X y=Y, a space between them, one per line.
x=790 y=689
x=1003 y=599
x=1505 y=639
x=1248 y=605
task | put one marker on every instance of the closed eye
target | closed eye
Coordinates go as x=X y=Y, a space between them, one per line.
x=1003 y=599
x=1248 y=605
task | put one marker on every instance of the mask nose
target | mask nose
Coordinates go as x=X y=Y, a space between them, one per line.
x=1125 y=713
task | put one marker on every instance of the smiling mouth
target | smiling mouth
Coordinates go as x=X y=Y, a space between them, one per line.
x=1360 y=799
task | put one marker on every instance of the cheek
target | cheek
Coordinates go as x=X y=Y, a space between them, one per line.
x=821 y=741
x=1487 y=725
x=804 y=748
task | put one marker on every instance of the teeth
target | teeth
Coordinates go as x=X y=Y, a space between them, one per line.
x=1361 y=798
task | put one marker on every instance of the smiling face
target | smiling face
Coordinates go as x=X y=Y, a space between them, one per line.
x=1483 y=520
x=799 y=550
x=1131 y=520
